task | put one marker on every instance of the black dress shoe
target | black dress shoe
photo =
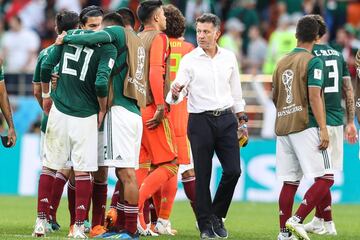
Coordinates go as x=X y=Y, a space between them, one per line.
x=207 y=234
x=218 y=227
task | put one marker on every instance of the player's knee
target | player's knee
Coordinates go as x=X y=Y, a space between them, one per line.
x=127 y=176
x=101 y=175
x=188 y=173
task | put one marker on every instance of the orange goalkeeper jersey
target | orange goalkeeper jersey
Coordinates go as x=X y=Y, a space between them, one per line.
x=178 y=113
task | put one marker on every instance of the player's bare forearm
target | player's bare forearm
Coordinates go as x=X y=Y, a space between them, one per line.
x=37 y=93
x=349 y=99
x=102 y=103
x=317 y=106
x=5 y=105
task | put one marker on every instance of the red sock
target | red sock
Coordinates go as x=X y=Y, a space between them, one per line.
x=154 y=206
x=120 y=220
x=57 y=190
x=99 y=203
x=168 y=193
x=314 y=195
x=115 y=196
x=71 y=202
x=189 y=188
x=286 y=201
x=323 y=209
x=146 y=212
x=83 y=193
x=44 y=192
x=131 y=215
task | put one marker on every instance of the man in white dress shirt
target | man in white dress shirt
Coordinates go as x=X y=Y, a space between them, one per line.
x=209 y=76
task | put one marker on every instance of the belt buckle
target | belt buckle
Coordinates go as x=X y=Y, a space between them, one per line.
x=217 y=113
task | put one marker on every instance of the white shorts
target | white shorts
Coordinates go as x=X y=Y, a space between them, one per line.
x=185 y=167
x=71 y=137
x=101 y=156
x=68 y=164
x=122 y=138
x=336 y=146
x=297 y=154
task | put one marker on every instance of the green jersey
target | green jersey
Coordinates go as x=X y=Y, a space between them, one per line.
x=335 y=69
x=116 y=36
x=1 y=73
x=84 y=73
x=36 y=79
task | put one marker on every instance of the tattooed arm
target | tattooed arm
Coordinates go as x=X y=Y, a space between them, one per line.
x=350 y=129
x=6 y=110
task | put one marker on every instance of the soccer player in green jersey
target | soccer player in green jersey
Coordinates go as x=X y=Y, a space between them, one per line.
x=302 y=135
x=6 y=109
x=79 y=107
x=64 y=21
x=337 y=83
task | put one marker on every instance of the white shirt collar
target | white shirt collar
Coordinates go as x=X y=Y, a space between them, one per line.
x=200 y=52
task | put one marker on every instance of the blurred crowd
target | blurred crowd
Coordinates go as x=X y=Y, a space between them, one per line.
x=259 y=32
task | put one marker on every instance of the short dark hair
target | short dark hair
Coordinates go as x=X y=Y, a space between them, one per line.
x=113 y=18
x=127 y=15
x=175 y=21
x=209 y=18
x=146 y=9
x=307 y=29
x=66 y=20
x=322 y=25
x=90 y=11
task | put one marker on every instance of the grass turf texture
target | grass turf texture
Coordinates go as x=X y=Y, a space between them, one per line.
x=245 y=220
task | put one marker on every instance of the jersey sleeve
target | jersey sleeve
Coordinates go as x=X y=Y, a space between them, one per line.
x=49 y=63
x=315 y=73
x=106 y=64
x=36 y=77
x=89 y=39
x=157 y=68
x=1 y=73
x=346 y=72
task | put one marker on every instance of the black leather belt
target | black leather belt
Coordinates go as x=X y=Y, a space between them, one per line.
x=217 y=113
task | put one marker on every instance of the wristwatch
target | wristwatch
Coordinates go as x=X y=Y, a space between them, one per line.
x=244 y=117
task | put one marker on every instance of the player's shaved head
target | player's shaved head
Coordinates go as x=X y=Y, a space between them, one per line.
x=307 y=29
x=66 y=20
x=175 y=21
x=322 y=25
x=90 y=11
x=147 y=9
x=127 y=15
x=113 y=18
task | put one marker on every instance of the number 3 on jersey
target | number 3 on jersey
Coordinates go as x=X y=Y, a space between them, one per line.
x=76 y=57
x=334 y=74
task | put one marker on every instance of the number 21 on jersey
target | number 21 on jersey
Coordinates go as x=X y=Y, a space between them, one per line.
x=76 y=57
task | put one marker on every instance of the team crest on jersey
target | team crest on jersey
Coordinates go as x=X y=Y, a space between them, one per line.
x=287 y=79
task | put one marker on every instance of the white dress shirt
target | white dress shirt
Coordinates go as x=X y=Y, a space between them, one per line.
x=209 y=83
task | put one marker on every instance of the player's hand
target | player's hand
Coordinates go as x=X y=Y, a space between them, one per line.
x=157 y=118
x=47 y=103
x=101 y=116
x=324 y=138
x=54 y=79
x=175 y=90
x=11 y=137
x=60 y=38
x=351 y=133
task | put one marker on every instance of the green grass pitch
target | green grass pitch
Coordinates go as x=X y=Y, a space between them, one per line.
x=246 y=221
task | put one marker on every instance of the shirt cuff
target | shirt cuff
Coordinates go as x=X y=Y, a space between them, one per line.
x=169 y=99
x=239 y=106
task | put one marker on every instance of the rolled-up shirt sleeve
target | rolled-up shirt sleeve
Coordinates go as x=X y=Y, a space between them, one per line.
x=183 y=77
x=236 y=91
